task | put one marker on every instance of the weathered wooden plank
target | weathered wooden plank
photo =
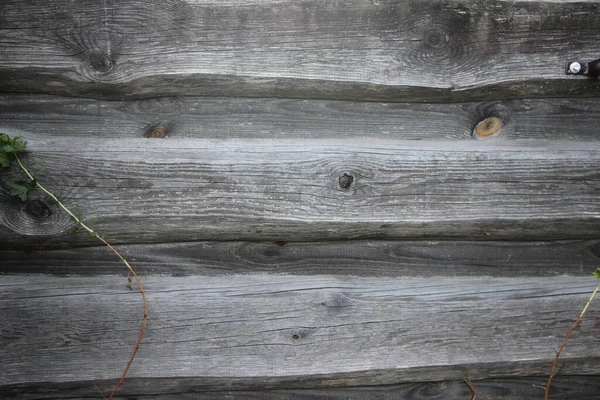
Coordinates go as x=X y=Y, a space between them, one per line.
x=434 y=50
x=266 y=331
x=146 y=190
x=197 y=117
x=563 y=387
x=354 y=258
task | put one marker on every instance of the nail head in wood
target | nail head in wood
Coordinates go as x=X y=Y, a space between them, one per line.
x=488 y=127
x=37 y=209
x=346 y=180
x=574 y=68
x=158 y=132
x=591 y=69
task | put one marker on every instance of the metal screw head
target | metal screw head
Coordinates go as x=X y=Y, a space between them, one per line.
x=574 y=68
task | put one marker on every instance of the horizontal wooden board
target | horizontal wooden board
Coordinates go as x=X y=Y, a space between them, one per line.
x=265 y=331
x=144 y=190
x=226 y=118
x=432 y=50
x=563 y=387
x=354 y=258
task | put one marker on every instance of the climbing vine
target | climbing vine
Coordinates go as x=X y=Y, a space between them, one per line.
x=10 y=147
x=568 y=335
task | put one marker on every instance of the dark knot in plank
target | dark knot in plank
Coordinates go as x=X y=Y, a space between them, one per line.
x=435 y=38
x=346 y=181
x=100 y=62
x=38 y=210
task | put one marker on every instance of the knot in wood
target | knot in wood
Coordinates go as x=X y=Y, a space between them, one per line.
x=346 y=180
x=488 y=127
x=100 y=62
x=435 y=38
x=158 y=132
x=38 y=210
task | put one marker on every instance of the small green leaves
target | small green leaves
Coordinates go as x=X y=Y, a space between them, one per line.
x=5 y=160
x=9 y=146
x=19 y=189
x=597 y=273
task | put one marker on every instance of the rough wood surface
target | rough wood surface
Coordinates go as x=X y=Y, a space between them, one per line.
x=148 y=190
x=433 y=50
x=564 y=387
x=196 y=117
x=266 y=331
x=354 y=258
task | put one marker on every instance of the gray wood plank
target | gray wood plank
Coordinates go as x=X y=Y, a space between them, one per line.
x=264 y=331
x=145 y=190
x=431 y=50
x=564 y=387
x=197 y=117
x=354 y=258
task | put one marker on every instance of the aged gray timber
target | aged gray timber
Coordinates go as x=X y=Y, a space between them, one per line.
x=269 y=331
x=355 y=258
x=148 y=190
x=433 y=50
x=220 y=118
x=563 y=387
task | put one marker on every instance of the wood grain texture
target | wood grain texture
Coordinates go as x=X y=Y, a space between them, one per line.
x=355 y=258
x=265 y=331
x=148 y=190
x=227 y=118
x=564 y=387
x=398 y=50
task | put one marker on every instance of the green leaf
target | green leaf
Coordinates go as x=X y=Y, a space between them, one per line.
x=597 y=273
x=5 y=160
x=8 y=148
x=19 y=189
x=20 y=145
x=4 y=138
x=22 y=194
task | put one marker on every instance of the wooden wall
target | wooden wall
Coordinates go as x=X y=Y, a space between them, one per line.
x=325 y=199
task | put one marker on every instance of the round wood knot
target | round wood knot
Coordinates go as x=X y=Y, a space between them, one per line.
x=346 y=181
x=100 y=62
x=158 y=132
x=488 y=127
x=435 y=38
x=449 y=42
x=38 y=210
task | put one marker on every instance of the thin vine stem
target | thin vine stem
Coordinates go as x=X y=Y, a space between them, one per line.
x=564 y=343
x=131 y=270
x=472 y=387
